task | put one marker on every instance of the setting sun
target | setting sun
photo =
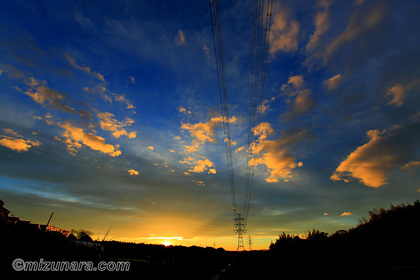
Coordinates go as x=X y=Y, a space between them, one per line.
x=167 y=243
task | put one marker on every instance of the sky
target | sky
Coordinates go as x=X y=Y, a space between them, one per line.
x=110 y=117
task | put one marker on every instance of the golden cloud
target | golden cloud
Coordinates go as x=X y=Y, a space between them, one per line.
x=205 y=132
x=346 y=214
x=199 y=165
x=44 y=95
x=180 y=38
x=275 y=154
x=284 y=31
x=84 y=68
x=321 y=22
x=333 y=82
x=75 y=137
x=132 y=172
x=385 y=150
x=17 y=144
x=109 y=123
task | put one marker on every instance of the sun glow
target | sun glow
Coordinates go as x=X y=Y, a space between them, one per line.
x=167 y=243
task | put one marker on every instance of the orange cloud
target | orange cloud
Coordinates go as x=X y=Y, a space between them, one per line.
x=17 y=144
x=75 y=137
x=132 y=172
x=302 y=104
x=346 y=214
x=301 y=100
x=365 y=163
x=199 y=165
x=361 y=22
x=205 y=132
x=86 y=69
x=42 y=94
x=11 y=132
x=322 y=23
x=385 y=150
x=108 y=123
x=398 y=92
x=284 y=31
x=333 y=82
x=275 y=154
x=411 y=165
x=180 y=38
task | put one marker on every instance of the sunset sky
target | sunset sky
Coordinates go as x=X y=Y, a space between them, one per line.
x=110 y=117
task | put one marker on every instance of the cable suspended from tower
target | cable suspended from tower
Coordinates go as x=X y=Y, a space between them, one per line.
x=260 y=37
x=216 y=27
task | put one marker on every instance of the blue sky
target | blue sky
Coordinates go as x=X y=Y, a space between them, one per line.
x=110 y=116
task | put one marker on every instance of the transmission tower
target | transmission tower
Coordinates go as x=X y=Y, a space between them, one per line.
x=240 y=224
x=250 y=242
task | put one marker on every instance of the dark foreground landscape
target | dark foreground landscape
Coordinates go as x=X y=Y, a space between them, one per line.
x=386 y=244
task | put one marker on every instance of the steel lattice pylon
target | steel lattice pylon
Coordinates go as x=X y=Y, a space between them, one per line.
x=240 y=229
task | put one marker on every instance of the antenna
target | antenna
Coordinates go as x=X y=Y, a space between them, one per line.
x=250 y=242
x=106 y=234
x=52 y=213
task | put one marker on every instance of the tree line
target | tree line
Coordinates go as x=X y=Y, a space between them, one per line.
x=386 y=242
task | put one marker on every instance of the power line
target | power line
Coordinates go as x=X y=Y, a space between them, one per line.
x=260 y=37
x=216 y=26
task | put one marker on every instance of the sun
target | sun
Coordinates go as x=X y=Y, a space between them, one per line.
x=167 y=243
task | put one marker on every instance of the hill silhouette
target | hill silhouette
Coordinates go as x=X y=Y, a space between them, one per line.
x=386 y=244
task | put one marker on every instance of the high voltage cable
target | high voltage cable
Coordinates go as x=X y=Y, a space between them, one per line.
x=260 y=37
x=258 y=62
x=216 y=27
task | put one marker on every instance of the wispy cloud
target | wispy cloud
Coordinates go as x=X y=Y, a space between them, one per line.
x=333 y=82
x=44 y=95
x=322 y=23
x=72 y=61
x=398 y=92
x=284 y=30
x=180 y=38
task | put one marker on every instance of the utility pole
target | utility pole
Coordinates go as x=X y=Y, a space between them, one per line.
x=240 y=224
x=250 y=242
